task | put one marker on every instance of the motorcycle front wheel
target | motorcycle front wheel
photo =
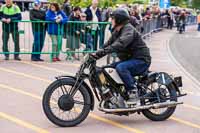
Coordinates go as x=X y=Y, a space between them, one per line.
x=61 y=108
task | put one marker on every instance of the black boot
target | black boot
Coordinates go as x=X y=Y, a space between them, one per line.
x=17 y=58
x=133 y=97
x=6 y=57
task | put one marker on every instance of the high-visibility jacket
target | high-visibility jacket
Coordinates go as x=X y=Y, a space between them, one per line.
x=13 y=12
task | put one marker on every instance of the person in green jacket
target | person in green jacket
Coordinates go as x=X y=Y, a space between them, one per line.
x=9 y=13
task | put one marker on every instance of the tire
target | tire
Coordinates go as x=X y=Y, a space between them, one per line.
x=169 y=111
x=52 y=117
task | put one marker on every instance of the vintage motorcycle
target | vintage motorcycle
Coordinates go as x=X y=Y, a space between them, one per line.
x=68 y=100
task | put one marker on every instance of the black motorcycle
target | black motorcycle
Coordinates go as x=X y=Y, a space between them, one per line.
x=68 y=100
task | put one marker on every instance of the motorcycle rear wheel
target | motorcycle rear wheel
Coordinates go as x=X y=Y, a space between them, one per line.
x=150 y=113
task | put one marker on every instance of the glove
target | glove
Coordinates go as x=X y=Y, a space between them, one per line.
x=100 y=53
x=58 y=20
x=105 y=45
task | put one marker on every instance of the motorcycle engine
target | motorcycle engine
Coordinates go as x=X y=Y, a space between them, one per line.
x=108 y=95
x=104 y=90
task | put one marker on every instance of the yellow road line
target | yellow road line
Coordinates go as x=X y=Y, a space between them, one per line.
x=116 y=124
x=175 y=119
x=47 y=68
x=191 y=107
x=22 y=123
x=68 y=64
x=189 y=92
x=97 y=117
x=185 y=122
x=20 y=91
x=24 y=75
x=62 y=64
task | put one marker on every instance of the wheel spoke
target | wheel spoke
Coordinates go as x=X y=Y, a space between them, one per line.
x=54 y=100
x=79 y=102
x=64 y=89
x=54 y=107
x=58 y=93
x=75 y=111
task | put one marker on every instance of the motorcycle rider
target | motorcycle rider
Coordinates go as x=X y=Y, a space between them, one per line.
x=130 y=48
x=182 y=18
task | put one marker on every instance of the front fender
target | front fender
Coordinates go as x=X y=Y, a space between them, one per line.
x=85 y=85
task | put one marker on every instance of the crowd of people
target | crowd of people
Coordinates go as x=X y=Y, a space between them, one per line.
x=92 y=35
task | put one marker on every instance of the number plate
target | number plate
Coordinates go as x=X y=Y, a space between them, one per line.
x=178 y=81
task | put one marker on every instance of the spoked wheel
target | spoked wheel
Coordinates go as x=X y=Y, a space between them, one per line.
x=63 y=109
x=162 y=94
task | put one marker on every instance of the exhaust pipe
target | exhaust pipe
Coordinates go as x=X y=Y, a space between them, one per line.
x=153 y=106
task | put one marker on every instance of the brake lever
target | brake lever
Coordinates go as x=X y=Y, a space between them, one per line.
x=94 y=56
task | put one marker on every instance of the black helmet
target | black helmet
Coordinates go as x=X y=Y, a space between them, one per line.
x=120 y=15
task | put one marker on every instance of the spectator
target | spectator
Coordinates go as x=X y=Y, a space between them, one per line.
x=147 y=14
x=198 y=21
x=39 y=30
x=67 y=10
x=8 y=14
x=163 y=18
x=106 y=18
x=55 y=28
x=94 y=15
x=106 y=14
x=156 y=12
x=67 y=7
x=73 y=35
x=171 y=19
x=182 y=18
x=75 y=15
x=86 y=37
x=134 y=18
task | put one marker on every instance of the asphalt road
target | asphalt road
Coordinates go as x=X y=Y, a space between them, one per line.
x=186 y=49
x=22 y=85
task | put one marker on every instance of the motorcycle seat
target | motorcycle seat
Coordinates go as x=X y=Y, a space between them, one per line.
x=144 y=74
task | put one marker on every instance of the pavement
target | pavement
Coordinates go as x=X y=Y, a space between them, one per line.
x=22 y=85
x=185 y=49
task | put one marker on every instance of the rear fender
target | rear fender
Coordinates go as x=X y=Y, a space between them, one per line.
x=85 y=85
x=163 y=79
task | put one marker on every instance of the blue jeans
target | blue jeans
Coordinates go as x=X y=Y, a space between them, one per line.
x=199 y=27
x=130 y=68
x=38 y=44
x=89 y=43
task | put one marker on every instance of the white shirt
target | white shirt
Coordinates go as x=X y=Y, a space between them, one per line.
x=94 y=18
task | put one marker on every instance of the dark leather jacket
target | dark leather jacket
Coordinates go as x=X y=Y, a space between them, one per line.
x=128 y=44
